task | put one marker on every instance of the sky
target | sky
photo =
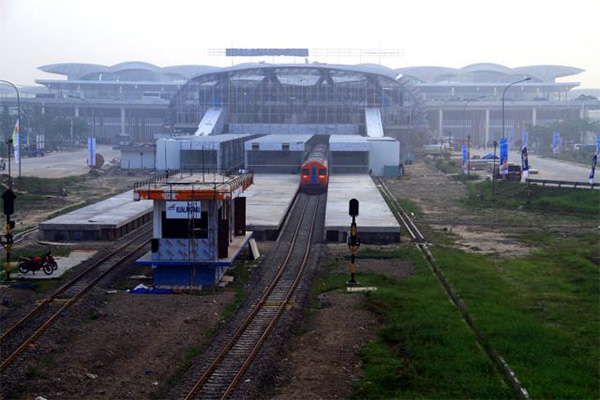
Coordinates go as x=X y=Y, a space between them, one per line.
x=444 y=33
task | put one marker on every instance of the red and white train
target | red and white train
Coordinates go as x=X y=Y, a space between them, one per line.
x=315 y=170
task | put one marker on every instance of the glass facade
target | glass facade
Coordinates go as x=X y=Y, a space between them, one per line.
x=289 y=95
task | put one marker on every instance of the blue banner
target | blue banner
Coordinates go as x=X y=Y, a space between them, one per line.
x=594 y=161
x=91 y=151
x=597 y=143
x=503 y=156
x=525 y=162
x=465 y=157
x=524 y=139
x=556 y=142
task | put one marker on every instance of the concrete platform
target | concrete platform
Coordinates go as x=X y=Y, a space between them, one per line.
x=75 y=258
x=375 y=223
x=106 y=220
x=268 y=201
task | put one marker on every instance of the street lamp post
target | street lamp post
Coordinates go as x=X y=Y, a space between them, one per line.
x=503 y=93
x=18 y=120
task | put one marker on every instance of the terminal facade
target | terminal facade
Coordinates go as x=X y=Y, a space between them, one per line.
x=133 y=103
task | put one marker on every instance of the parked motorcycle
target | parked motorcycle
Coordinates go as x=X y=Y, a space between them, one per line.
x=45 y=263
x=49 y=259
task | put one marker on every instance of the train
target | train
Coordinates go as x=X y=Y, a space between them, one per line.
x=314 y=177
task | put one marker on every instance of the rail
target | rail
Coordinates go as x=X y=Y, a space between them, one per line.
x=550 y=182
x=249 y=338
x=80 y=287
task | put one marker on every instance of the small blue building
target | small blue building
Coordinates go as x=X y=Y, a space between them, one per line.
x=199 y=226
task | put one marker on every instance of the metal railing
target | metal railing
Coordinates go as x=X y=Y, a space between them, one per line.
x=573 y=184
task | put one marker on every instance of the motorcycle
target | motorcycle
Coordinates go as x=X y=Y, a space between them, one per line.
x=46 y=263
x=49 y=259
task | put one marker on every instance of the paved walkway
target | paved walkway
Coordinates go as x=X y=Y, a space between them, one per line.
x=59 y=164
x=75 y=258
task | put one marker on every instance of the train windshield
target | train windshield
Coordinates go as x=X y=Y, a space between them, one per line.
x=322 y=172
x=305 y=171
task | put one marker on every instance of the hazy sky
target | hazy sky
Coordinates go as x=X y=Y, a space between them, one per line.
x=172 y=32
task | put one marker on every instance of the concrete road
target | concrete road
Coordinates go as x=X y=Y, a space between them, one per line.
x=549 y=168
x=60 y=164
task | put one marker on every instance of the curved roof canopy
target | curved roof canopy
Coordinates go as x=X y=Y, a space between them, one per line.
x=127 y=71
x=301 y=74
x=488 y=73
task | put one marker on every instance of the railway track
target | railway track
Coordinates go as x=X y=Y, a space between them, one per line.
x=417 y=237
x=221 y=377
x=19 y=337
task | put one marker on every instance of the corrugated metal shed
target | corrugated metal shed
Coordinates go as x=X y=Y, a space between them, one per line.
x=348 y=143
x=210 y=142
x=275 y=143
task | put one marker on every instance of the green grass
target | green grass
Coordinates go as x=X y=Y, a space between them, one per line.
x=540 y=313
x=241 y=274
x=514 y=195
x=423 y=349
x=454 y=168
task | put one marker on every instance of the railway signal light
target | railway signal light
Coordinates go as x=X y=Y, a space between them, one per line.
x=353 y=242
x=9 y=202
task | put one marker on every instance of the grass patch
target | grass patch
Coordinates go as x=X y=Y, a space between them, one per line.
x=423 y=349
x=454 y=168
x=540 y=313
x=515 y=195
x=241 y=274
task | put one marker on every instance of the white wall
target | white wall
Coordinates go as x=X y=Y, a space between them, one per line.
x=382 y=152
x=133 y=159
x=167 y=154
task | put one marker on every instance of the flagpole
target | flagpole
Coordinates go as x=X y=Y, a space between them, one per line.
x=18 y=120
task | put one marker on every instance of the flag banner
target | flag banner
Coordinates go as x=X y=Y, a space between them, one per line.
x=465 y=157
x=91 y=151
x=16 y=137
x=593 y=171
x=556 y=142
x=503 y=156
x=597 y=143
x=525 y=162
x=524 y=139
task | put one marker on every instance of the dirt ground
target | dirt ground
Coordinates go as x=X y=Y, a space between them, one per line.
x=436 y=194
x=128 y=348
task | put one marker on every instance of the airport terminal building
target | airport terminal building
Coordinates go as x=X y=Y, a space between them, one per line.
x=135 y=102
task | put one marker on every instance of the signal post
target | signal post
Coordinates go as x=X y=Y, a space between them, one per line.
x=353 y=242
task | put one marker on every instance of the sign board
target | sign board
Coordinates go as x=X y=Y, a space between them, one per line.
x=184 y=209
